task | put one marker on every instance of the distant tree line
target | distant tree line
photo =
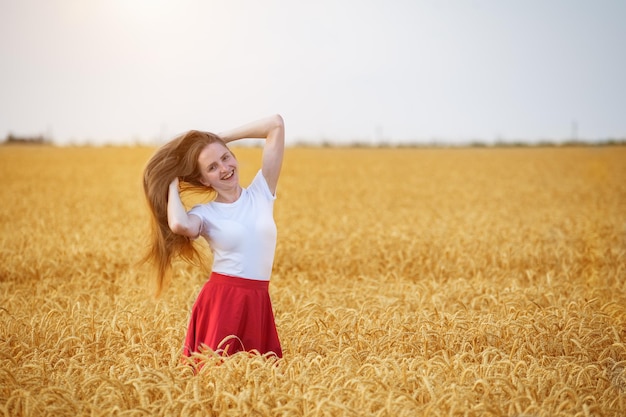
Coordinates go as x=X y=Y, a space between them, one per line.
x=471 y=144
x=29 y=140
x=42 y=140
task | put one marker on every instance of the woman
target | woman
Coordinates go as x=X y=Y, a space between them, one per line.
x=233 y=311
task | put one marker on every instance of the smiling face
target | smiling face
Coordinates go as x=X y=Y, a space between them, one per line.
x=219 y=168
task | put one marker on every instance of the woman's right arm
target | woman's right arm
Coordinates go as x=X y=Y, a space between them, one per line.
x=179 y=221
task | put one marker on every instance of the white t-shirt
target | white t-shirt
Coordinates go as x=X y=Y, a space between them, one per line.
x=242 y=235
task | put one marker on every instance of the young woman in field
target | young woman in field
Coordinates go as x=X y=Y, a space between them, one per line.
x=233 y=311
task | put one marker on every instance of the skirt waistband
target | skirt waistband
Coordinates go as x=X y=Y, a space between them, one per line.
x=253 y=284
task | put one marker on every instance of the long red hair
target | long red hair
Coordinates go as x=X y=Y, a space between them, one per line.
x=177 y=158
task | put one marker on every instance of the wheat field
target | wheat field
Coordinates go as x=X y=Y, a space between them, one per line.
x=407 y=282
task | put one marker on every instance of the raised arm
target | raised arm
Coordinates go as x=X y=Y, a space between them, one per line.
x=272 y=129
x=178 y=220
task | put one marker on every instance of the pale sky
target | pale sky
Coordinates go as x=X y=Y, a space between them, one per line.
x=114 y=71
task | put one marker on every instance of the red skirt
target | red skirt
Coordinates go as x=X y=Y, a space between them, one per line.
x=230 y=315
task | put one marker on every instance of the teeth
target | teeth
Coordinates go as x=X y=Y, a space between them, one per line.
x=228 y=176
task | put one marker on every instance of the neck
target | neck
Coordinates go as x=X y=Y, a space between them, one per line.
x=228 y=196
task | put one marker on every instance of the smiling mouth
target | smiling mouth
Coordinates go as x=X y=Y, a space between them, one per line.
x=229 y=175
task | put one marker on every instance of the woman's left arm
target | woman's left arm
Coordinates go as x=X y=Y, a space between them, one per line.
x=272 y=129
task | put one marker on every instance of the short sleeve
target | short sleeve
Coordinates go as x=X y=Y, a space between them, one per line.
x=259 y=186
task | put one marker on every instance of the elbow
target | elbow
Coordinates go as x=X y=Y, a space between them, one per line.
x=276 y=129
x=184 y=229
x=278 y=122
x=177 y=228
